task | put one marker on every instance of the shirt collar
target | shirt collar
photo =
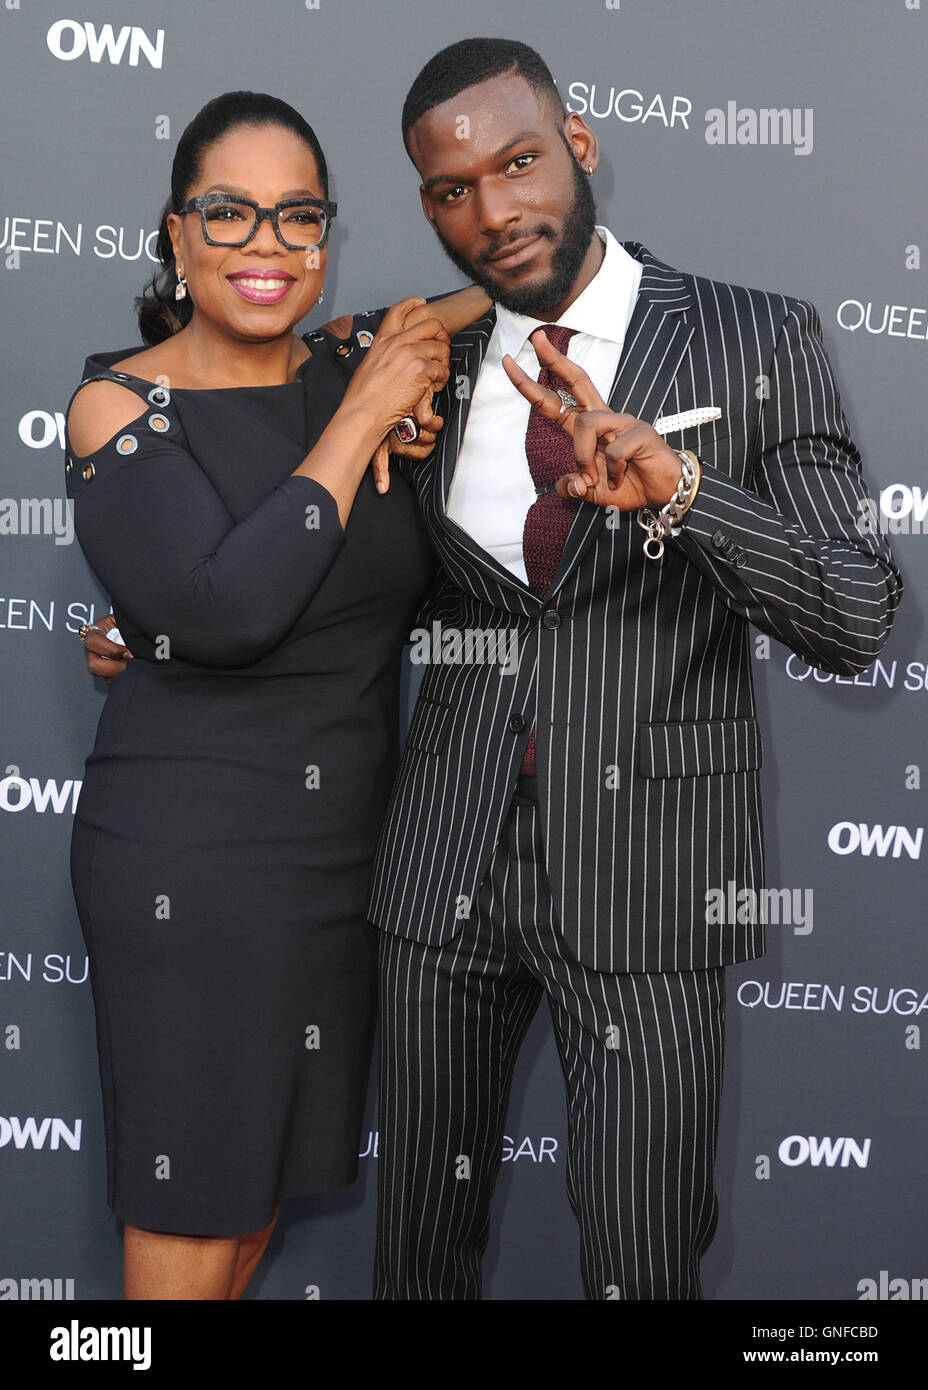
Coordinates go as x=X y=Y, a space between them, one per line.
x=602 y=310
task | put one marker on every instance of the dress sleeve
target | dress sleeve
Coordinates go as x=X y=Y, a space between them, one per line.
x=346 y=338
x=172 y=558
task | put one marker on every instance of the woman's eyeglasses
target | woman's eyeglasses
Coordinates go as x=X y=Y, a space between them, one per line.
x=300 y=223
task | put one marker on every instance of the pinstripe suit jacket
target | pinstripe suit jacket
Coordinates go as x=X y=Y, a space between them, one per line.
x=639 y=671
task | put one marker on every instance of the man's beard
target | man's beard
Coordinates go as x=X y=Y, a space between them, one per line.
x=535 y=300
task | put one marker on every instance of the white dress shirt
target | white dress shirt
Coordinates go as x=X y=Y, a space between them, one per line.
x=492 y=487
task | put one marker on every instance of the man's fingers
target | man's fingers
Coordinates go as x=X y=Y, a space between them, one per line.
x=520 y=380
x=588 y=429
x=101 y=666
x=573 y=377
x=573 y=486
x=548 y=402
x=103 y=656
x=100 y=644
x=553 y=407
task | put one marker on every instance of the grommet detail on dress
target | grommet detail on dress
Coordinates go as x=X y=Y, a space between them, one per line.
x=68 y=465
x=159 y=395
x=87 y=472
x=126 y=444
x=159 y=423
x=120 y=376
x=365 y=337
x=344 y=350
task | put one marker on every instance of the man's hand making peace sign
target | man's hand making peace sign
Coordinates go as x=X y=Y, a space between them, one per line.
x=621 y=461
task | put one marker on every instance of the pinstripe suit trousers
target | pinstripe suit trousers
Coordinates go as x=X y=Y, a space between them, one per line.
x=642 y=1061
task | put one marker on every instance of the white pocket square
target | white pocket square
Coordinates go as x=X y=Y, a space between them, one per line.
x=702 y=415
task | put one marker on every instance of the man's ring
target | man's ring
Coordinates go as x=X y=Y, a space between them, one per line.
x=88 y=627
x=407 y=429
x=568 y=402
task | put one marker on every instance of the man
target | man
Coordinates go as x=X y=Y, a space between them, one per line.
x=558 y=828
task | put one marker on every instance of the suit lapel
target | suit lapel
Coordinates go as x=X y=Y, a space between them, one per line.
x=657 y=338
x=468 y=349
x=655 y=343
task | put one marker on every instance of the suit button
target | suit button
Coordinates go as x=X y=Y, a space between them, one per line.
x=730 y=552
x=517 y=723
x=741 y=561
x=719 y=539
x=551 y=618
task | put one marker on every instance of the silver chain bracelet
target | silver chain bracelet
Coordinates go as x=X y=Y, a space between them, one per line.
x=661 y=524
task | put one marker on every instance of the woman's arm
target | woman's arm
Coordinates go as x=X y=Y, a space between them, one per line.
x=406 y=363
x=160 y=538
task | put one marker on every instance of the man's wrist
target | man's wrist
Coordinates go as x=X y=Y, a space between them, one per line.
x=667 y=522
x=697 y=464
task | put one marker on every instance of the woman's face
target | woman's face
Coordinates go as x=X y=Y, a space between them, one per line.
x=267 y=164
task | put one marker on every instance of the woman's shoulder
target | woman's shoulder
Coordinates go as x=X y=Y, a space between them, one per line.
x=348 y=331
x=144 y=364
x=342 y=342
x=109 y=397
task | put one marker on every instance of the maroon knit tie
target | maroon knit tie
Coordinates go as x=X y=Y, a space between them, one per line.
x=550 y=454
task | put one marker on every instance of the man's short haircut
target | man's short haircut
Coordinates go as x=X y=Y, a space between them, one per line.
x=470 y=61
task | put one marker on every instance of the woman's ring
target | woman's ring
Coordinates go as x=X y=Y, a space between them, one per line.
x=407 y=429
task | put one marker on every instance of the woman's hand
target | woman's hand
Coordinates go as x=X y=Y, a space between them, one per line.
x=622 y=462
x=402 y=369
x=105 y=658
x=454 y=312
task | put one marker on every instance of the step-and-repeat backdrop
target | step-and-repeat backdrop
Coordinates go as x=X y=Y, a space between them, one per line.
x=780 y=146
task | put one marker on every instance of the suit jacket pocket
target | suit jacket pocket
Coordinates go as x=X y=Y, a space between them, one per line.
x=700 y=748
x=428 y=728
x=705 y=443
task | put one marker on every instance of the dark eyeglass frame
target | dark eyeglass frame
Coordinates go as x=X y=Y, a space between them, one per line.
x=204 y=200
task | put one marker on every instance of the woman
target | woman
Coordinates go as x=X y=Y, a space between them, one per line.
x=230 y=806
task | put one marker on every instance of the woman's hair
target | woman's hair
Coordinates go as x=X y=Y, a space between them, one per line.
x=160 y=315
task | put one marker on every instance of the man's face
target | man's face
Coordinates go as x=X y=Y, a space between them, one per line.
x=503 y=186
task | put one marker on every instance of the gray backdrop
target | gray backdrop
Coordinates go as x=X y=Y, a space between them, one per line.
x=824 y=1041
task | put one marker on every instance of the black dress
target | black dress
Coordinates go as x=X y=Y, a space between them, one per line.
x=231 y=804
